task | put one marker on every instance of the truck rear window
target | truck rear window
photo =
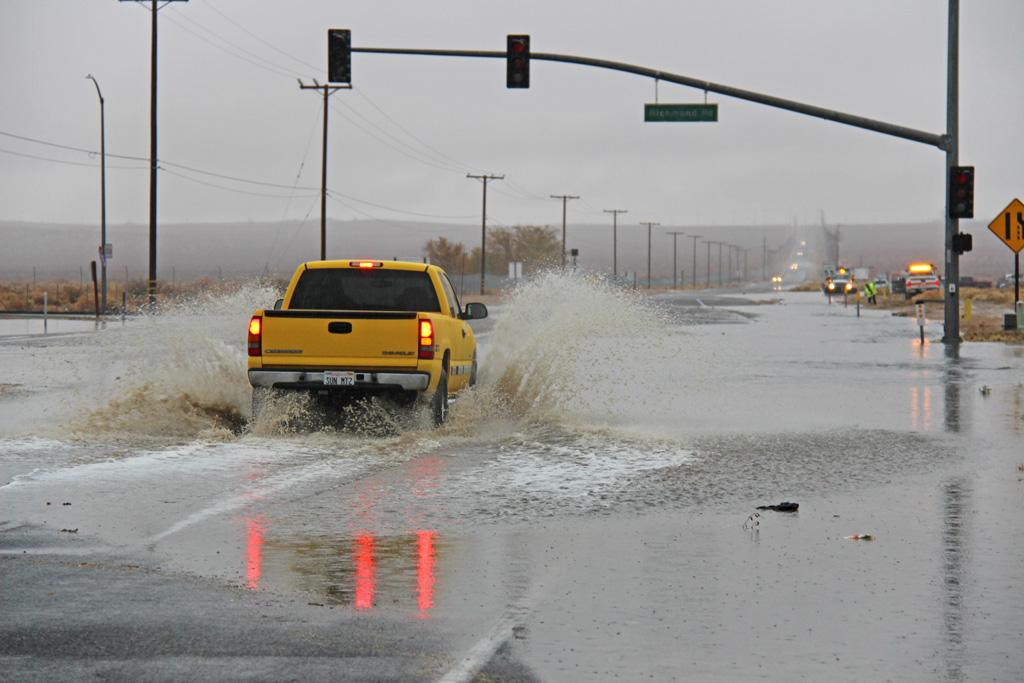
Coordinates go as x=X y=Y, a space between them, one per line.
x=377 y=289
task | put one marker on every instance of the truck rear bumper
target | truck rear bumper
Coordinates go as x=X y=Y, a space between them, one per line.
x=312 y=379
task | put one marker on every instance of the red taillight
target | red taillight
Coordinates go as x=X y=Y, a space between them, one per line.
x=255 y=335
x=426 y=335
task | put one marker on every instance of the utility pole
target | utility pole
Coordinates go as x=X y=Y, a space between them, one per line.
x=675 y=253
x=694 y=271
x=707 y=273
x=565 y=199
x=615 y=239
x=649 y=224
x=327 y=90
x=483 y=227
x=720 y=244
x=951 y=328
x=103 y=199
x=764 y=257
x=152 y=144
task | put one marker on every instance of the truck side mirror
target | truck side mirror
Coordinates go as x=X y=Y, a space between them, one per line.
x=278 y=304
x=474 y=311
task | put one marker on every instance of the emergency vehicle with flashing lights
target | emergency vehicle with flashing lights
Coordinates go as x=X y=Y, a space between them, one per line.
x=347 y=329
x=921 y=277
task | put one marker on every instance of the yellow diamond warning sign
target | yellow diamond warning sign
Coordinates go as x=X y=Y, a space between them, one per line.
x=1009 y=226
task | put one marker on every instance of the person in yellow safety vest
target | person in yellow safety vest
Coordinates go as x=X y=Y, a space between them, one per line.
x=870 y=291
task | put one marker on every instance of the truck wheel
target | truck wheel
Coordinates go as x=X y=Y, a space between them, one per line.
x=439 y=403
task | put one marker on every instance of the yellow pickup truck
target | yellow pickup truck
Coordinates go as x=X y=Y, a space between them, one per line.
x=349 y=329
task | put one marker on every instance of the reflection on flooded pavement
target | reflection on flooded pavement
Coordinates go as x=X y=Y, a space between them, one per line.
x=364 y=572
x=955 y=549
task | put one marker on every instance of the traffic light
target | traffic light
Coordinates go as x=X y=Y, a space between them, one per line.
x=339 y=55
x=962 y=242
x=517 y=57
x=961 y=192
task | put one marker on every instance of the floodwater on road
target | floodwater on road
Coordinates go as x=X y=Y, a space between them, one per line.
x=589 y=513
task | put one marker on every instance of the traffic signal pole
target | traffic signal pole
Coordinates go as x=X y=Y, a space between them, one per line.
x=951 y=314
x=947 y=142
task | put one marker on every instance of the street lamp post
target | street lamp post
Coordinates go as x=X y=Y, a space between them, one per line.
x=103 y=199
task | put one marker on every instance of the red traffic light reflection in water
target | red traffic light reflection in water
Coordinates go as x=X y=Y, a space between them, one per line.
x=364 y=562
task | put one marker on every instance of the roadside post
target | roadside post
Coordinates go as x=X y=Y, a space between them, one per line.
x=858 y=303
x=95 y=290
x=1008 y=226
x=921 y=321
x=45 y=310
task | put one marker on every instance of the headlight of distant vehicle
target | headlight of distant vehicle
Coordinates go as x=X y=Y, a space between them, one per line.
x=831 y=286
x=849 y=286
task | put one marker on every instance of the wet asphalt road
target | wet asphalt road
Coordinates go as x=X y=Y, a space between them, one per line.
x=586 y=516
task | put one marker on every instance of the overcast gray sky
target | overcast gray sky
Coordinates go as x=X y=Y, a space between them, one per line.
x=405 y=137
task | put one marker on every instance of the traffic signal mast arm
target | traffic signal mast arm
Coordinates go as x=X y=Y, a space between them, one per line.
x=932 y=139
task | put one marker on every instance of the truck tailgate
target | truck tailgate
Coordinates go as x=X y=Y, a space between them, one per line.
x=340 y=338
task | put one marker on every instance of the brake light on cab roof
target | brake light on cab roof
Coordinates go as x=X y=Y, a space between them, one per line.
x=366 y=264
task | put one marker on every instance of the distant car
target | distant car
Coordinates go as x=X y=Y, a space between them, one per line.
x=918 y=284
x=919 y=278
x=838 y=284
x=1006 y=281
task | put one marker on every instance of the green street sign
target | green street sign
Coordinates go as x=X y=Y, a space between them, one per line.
x=680 y=112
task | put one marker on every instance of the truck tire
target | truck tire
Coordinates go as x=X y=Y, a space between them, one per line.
x=439 y=402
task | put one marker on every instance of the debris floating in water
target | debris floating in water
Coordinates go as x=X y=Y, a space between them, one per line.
x=785 y=506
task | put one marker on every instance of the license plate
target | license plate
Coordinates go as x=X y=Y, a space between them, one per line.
x=339 y=379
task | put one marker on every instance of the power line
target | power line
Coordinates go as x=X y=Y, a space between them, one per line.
x=213 y=7
x=228 y=189
x=64 y=161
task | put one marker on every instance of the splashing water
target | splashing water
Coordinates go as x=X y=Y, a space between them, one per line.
x=569 y=348
x=566 y=350
x=181 y=371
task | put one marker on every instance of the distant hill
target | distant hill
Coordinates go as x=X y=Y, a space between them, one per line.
x=190 y=250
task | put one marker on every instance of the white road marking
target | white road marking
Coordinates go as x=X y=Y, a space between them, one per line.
x=481 y=653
